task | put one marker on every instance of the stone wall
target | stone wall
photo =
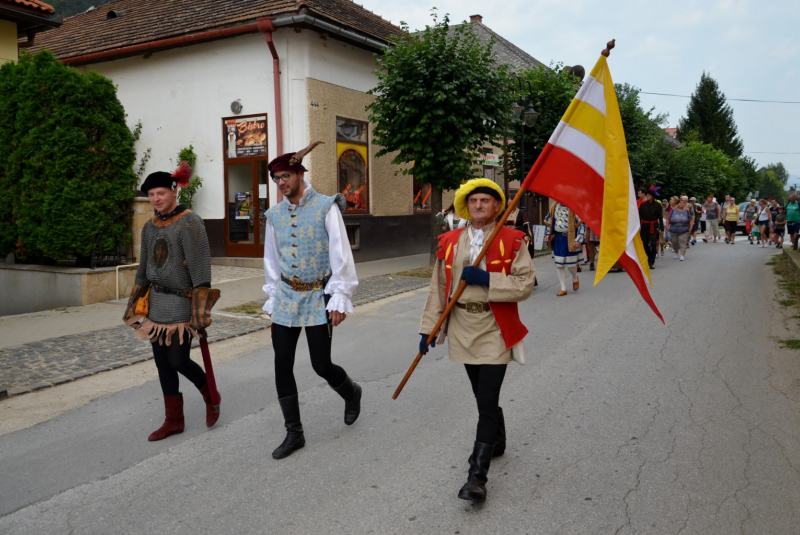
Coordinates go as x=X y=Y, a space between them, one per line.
x=31 y=288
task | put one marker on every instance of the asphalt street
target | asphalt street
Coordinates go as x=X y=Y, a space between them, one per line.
x=617 y=424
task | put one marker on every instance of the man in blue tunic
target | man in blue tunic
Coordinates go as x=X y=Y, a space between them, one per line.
x=311 y=277
x=567 y=233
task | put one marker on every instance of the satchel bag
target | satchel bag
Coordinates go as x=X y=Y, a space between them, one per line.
x=143 y=304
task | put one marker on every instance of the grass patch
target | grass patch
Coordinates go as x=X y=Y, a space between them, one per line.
x=423 y=272
x=787 y=303
x=791 y=344
x=788 y=281
x=247 y=308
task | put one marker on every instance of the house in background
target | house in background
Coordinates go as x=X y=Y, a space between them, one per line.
x=22 y=19
x=243 y=82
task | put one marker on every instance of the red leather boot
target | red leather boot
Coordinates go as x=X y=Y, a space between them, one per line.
x=212 y=411
x=173 y=423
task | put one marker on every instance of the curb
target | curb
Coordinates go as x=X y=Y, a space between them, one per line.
x=793 y=257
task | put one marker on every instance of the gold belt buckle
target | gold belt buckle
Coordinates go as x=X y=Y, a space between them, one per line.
x=474 y=307
x=316 y=285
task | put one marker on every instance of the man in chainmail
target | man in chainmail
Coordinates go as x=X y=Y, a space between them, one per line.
x=174 y=271
x=310 y=279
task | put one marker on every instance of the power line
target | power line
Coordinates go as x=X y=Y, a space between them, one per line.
x=754 y=152
x=736 y=99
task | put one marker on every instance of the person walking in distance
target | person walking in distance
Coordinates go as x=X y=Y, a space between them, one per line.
x=713 y=215
x=696 y=209
x=169 y=302
x=773 y=208
x=764 y=220
x=731 y=212
x=749 y=214
x=484 y=328
x=793 y=219
x=651 y=224
x=567 y=233
x=679 y=224
x=780 y=226
x=310 y=280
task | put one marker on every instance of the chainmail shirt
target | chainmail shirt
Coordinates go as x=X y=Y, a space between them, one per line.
x=175 y=255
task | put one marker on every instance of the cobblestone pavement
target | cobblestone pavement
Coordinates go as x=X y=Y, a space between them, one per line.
x=220 y=274
x=46 y=363
x=55 y=361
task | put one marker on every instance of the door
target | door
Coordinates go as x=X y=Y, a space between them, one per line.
x=246 y=192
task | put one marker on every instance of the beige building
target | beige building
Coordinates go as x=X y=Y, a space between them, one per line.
x=22 y=19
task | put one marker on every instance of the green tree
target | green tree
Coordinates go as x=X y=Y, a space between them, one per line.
x=646 y=141
x=697 y=169
x=780 y=172
x=552 y=91
x=440 y=97
x=771 y=186
x=66 y=158
x=709 y=115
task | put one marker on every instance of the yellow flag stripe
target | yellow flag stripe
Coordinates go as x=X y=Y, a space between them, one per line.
x=587 y=119
x=617 y=177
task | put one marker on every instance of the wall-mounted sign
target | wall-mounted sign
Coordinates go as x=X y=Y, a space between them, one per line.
x=492 y=160
x=246 y=136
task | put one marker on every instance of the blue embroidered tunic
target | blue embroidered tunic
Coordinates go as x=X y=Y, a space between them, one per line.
x=303 y=247
x=561 y=253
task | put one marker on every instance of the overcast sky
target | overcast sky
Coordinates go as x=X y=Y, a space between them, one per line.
x=752 y=49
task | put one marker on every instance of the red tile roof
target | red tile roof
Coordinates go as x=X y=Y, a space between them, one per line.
x=143 y=21
x=34 y=6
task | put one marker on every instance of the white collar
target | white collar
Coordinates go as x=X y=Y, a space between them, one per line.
x=308 y=191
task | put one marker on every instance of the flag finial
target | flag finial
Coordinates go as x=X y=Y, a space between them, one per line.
x=609 y=46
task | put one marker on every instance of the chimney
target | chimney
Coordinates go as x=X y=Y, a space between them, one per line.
x=476 y=18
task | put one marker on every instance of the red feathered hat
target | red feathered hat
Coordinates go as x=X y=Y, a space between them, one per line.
x=161 y=179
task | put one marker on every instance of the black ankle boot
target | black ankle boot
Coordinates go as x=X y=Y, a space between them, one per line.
x=351 y=394
x=474 y=489
x=290 y=406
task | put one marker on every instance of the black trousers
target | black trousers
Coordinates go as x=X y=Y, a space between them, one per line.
x=486 y=381
x=174 y=359
x=651 y=248
x=284 y=342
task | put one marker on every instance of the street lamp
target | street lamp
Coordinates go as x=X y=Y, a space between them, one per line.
x=523 y=108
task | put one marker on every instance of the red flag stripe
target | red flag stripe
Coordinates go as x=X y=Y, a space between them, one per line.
x=634 y=271
x=570 y=181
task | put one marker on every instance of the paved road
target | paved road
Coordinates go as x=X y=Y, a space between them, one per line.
x=617 y=424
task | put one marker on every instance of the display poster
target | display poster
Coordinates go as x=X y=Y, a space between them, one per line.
x=538 y=236
x=244 y=203
x=492 y=160
x=246 y=137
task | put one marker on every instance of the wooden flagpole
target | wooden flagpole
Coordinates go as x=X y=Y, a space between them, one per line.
x=461 y=287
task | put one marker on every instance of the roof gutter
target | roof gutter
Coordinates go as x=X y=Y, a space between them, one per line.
x=211 y=35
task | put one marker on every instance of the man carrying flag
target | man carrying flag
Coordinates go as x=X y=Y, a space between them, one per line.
x=484 y=328
x=586 y=161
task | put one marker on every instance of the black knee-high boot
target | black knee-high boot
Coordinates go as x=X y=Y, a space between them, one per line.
x=351 y=394
x=475 y=488
x=290 y=406
x=500 y=442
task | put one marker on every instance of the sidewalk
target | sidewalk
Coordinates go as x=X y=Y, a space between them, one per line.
x=44 y=349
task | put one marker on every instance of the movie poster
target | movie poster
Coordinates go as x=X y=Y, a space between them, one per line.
x=246 y=137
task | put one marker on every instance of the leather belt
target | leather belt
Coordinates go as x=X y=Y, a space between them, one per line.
x=299 y=286
x=474 y=307
x=161 y=290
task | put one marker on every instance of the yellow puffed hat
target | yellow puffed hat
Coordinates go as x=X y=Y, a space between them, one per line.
x=476 y=185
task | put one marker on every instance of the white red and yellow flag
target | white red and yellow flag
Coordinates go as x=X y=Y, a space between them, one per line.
x=585 y=166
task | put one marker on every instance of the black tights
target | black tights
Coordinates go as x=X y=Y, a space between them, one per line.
x=284 y=342
x=174 y=359
x=651 y=248
x=486 y=381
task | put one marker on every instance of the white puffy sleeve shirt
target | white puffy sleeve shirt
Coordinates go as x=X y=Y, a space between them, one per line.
x=343 y=281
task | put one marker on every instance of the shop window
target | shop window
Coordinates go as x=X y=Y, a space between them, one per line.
x=422 y=197
x=352 y=162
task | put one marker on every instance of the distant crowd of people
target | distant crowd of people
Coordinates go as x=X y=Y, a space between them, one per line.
x=676 y=224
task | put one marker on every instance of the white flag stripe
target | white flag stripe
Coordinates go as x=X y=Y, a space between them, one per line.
x=581 y=145
x=592 y=93
x=633 y=211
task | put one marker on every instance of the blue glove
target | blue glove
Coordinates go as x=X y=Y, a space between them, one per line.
x=423 y=344
x=476 y=276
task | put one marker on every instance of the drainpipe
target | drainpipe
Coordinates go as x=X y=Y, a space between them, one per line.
x=266 y=27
